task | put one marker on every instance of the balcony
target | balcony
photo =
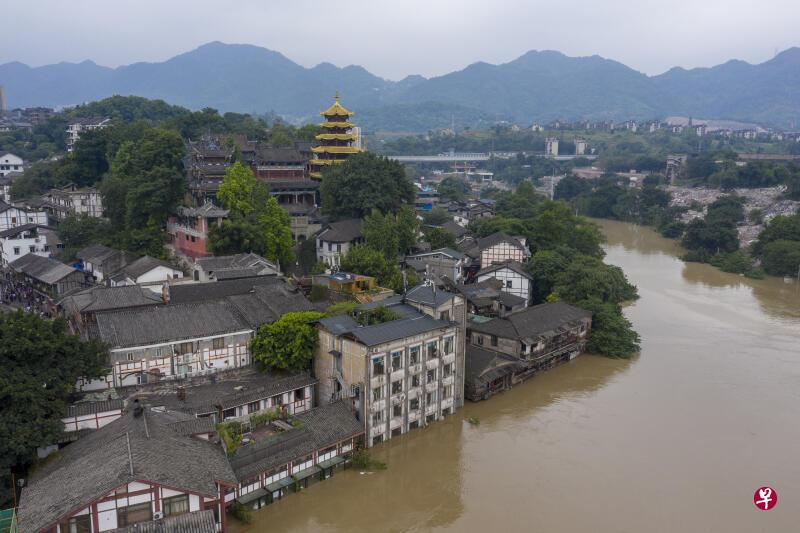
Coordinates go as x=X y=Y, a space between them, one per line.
x=430 y=364
x=376 y=430
x=414 y=393
x=447 y=402
x=377 y=406
x=415 y=368
x=378 y=381
x=413 y=416
x=397 y=374
x=449 y=358
x=448 y=380
x=396 y=422
x=431 y=408
x=431 y=387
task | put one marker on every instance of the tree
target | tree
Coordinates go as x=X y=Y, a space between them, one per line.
x=455 y=189
x=545 y=266
x=440 y=238
x=588 y=278
x=362 y=183
x=42 y=362
x=274 y=223
x=79 y=231
x=779 y=228
x=612 y=334
x=371 y=262
x=782 y=258
x=436 y=217
x=571 y=187
x=380 y=233
x=288 y=343
x=239 y=189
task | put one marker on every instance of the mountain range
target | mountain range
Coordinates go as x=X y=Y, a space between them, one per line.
x=537 y=86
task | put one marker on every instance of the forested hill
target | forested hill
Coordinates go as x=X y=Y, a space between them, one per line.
x=536 y=86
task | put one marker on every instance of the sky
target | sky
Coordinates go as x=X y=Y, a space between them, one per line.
x=396 y=38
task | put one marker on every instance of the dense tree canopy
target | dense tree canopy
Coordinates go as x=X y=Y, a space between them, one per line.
x=288 y=343
x=371 y=262
x=41 y=363
x=362 y=183
x=391 y=233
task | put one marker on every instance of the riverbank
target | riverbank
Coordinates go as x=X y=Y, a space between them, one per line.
x=675 y=439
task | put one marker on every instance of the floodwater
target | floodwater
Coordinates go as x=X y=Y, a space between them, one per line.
x=674 y=440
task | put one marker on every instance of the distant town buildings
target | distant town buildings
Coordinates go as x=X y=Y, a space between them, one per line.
x=73 y=200
x=551 y=146
x=79 y=125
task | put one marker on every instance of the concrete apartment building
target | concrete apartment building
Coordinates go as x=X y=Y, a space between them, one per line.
x=400 y=375
x=78 y=126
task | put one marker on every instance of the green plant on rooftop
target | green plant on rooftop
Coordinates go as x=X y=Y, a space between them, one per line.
x=288 y=343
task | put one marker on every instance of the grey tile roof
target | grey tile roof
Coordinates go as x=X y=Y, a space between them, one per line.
x=193 y=426
x=43 y=269
x=339 y=325
x=514 y=266
x=90 y=408
x=479 y=363
x=342 y=231
x=428 y=295
x=11 y=232
x=444 y=251
x=96 y=299
x=143 y=448
x=497 y=238
x=228 y=388
x=456 y=229
x=397 y=329
x=96 y=253
x=531 y=322
x=322 y=427
x=140 y=267
x=194 y=522
x=237 y=261
x=207 y=210
x=196 y=292
x=150 y=325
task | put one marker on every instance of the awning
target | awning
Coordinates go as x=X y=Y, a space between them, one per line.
x=252 y=496
x=333 y=461
x=278 y=485
x=308 y=472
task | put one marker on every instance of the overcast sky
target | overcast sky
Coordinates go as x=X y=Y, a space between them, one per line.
x=400 y=37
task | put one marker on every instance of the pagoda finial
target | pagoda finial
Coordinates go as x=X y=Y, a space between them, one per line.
x=337 y=96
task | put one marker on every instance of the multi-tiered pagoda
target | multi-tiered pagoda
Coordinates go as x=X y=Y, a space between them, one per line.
x=336 y=141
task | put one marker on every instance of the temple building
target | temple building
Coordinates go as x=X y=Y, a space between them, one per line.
x=337 y=140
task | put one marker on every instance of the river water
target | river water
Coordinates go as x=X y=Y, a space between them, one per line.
x=674 y=440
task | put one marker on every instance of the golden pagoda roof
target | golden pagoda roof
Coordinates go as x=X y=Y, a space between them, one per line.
x=336 y=137
x=335 y=150
x=337 y=109
x=338 y=124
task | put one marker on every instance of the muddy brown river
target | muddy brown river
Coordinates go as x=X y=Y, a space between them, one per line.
x=674 y=440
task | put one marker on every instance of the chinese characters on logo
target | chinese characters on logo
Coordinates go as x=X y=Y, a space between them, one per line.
x=765 y=498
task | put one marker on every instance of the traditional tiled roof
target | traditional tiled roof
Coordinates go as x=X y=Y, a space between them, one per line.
x=11 y=232
x=140 y=267
x=99 y=298
x=457 y=230
x=444 y=251
x=207 y=210
x=43 y=269
x=397 y=329
x=248 y=262
x=131 y=448
x=96 y=253
x=321 y=427
x=428 y=295
x=487 y=365
x=514 y=266
x=531 y=322
x=194 y=522
x=151 y=325
x=342 y=231
x=197 y=292
x=497 y=238
x=90 y=408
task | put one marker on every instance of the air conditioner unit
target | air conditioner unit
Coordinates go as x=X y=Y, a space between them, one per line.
x=158 y=515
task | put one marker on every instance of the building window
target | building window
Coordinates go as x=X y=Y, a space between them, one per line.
x=415 y=381
x=16 y=250
x=299 y=395
x=377 y=394
x=431 y=376
x=338 y=247
x=176 y=505
x=378 y=367
x=444 y=315
x=413 y=425
x=448 y=345
x=134 y=514
x=253 y=407
x=397 y=360
x=218 y=343
x=397 y=411
x=397 y=386
x=377 y=418
x=31 y=249
x=414 y=404
x=447 y=392
x=229 y=413
x=509 y=284
x=413 y=355
x=448 y=370
x=480 y=340
x=432 y=350
x=79 y=524
x=430 y=398
x=185 y=347
x=129 y=357
x=494 y=340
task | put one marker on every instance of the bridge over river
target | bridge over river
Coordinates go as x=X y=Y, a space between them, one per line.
x=463 y=157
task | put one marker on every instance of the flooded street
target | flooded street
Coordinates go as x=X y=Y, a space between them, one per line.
x=675 y=440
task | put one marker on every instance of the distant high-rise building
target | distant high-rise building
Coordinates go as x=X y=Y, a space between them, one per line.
x=3 y=102
x=551 y=146
x=580 y=146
